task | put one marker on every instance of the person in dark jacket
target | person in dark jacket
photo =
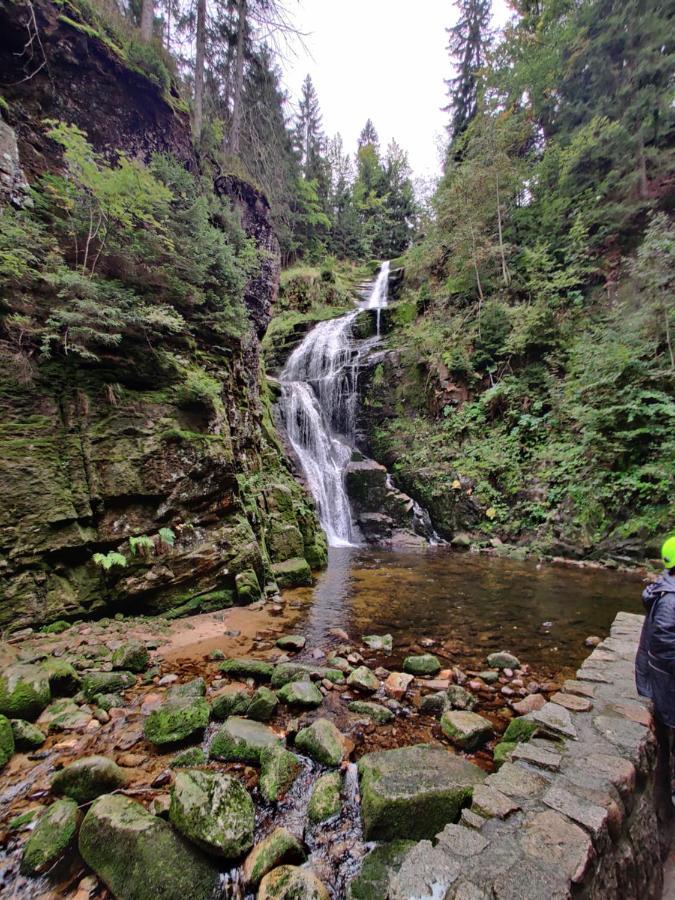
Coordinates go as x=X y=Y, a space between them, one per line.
x=655 y=660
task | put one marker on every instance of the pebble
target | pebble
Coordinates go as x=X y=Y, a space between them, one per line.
x=130 y=760
x=117 y=713
x=168 y=679
x=507 y=691
x=593 y=641
x=508 y=673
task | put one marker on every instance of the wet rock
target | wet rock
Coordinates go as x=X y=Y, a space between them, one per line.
x=22 y=821
x=291 y=883
x=263 y=704
x=88 y=778
x=434 y=704
x=132 y=656
x=293 y=572
x=63 y=678
x=323 y=742
x=287 y=672
x=247 y=668
x=140 y=857
x=51 y=837
x=233 y=700
x=372 y=882
x=278 y=770
x=24 y=692
x=214 y=811
x=460 y=698
x=593 y=641
x=301 y=693
x=397 y=684
x=242 y=740
x=383 y=643
x=64 y=715
x=374 y=711
x=503 y=660
x=277 y=848
x=337 y=662
x=362 y=679
x=176 y=720
x=6 y=741
x=413 y=792
x=426 y=664
x=216 y=655
x=193 y=756
x=293 y=642
x=95 y=683
x=325 y=801
x=465 y=729
x=26 y=735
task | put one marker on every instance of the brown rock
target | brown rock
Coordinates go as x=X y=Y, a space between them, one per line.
x=593 y=641
x=130 y=760
x=491 y=803
x=578 y=687
x=572 y=702
x=397 y=684
x=553 y=839
x=530 y=703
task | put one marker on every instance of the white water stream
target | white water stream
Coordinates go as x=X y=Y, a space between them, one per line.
x=318 y=407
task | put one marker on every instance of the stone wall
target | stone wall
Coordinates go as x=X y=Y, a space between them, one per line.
x=581 y=810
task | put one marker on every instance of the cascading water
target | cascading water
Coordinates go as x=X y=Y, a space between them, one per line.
x=318 y=407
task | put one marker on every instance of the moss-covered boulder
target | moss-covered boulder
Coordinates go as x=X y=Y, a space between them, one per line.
x=277 y=848
x=459 y=698
x=139 y=856
x=193 y=756
x=503 y=660
x=278 y=770
x=7 y=745
x=263 y=704
x=177 y=720
x=291 y=883
x=110 y=701
x=132 y=656
x=291 y=642
x=284 y=541
x=88 y=778
x=64 y=680
x=248 y=586
x=413 y=792
x=372 y=882
x=24 y=692
x=293 y=572
x=51 y=837
x=214 y=811
x=375 y=711
x=26 y=735
x=65 y=715
x=382 y=643
x=323 y=742
x=95 y=683
x=232 y=700
x=466 y=730
x=242 y=740
x=324 y=800
x=363 y=680
x=424 y=664
x=301 y=693
x=247 y=668
x=295 y=671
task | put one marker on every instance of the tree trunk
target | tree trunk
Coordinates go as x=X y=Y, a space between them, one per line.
x=199 y=68
x=235 y=126
x=505 y=270
x=147 y=19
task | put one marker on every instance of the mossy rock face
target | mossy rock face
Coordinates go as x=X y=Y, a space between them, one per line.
x=248 y=587
x=231 y=701
x=262 y=705
x=424 y=664
x=301 y=693
x=363 y=680
x=26 y=735
x=277 y=848
x=286 y=672
x=293 y=572
x=57 y=627
x=214 y=811
x=6 y=741
x=413 y=792
x=247 y=668
x=139 y=856
x=278 y=770
x=64 y=680
x=51 y=837
x=177 y=720
x=24 y=692
x=20 y=822
x=88 y=778
x=284 y=541
x=325 y=801
x=519 y=731
x=323 y=742
x=241 y=740
x=374 y=711
x=291 y=883
x=95 y=683
x=464 y=729
x=193 y=756
x=133 y=656
x=372 y=882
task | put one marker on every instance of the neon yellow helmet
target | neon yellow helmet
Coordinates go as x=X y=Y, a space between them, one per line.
x=668 y=552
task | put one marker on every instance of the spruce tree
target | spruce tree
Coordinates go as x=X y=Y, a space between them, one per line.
x=468 y=40
x=308 y=134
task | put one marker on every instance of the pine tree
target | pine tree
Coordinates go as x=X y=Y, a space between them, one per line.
x=369 y=136
x=468 y=40
x=308 y=135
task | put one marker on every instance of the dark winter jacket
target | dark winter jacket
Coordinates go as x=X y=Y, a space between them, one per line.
x=655 y=660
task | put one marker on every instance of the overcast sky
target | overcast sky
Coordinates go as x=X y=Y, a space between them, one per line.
x=383 y=59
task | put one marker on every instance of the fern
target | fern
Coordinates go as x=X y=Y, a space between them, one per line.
x=167 y=536
x=108 y=560
x=141 y=545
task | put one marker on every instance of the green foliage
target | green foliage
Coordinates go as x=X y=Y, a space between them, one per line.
x=109 y=560
x=141 y=546
x=167 y=536
x=144 y=57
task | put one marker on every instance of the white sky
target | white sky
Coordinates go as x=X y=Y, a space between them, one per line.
x=383 y=59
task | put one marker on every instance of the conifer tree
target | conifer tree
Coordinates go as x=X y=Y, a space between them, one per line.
x=308 y=135
x=468 y=40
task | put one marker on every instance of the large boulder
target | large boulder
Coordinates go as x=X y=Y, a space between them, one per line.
x=214 y=811
x=242 y=740
x=278 y=770
x=24 y=692
x=294 y=572
x=413 y=792
x=51 y=837
x=177 y=720
x=88 y=778
x=291 y=883
x=64 y=680
x=277 y=848
x=323 y=742
x=139 y=856
x=464 y=729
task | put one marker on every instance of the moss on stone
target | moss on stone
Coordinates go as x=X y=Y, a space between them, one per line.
x=24 y=692
x=287 y=672
x=279 y=769
x=424 y=664
x=372 y=882
x=293 y=572
x=277 y=848
x=26 y=735
x=177 y=720
x=94 y=683
x=519 y=731
x=6 y=741
x=88 y=778
x=374 y=711
x=501 y=751
x=325 y=801
x=51 y=837
x=132 y=656
x=193 y=756
x=247 y=668
x=263 y=704
x=64 y=680
x=301 y=693
x=231 y=701
x=242 y=740
x=323 y=742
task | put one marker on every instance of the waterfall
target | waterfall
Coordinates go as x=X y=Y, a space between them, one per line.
x=318 y=408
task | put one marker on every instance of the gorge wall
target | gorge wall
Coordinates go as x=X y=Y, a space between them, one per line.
x=95 y=453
